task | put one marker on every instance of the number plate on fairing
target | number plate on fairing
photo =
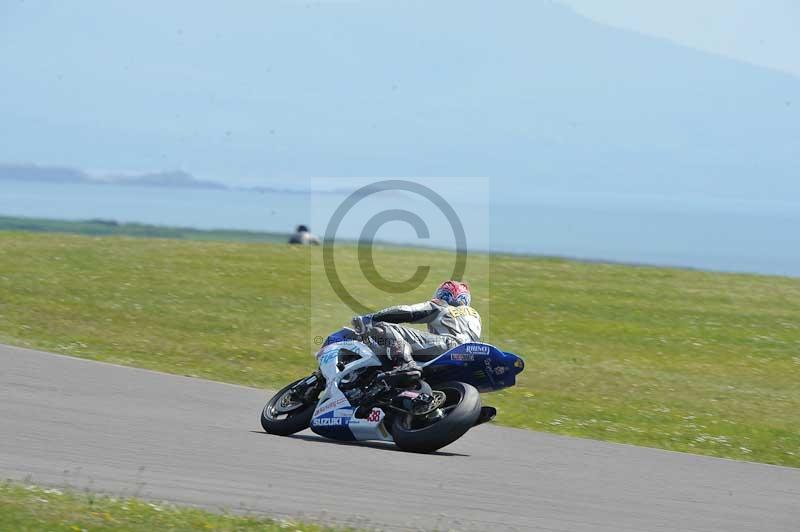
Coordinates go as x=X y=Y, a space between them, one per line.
x=371 y=428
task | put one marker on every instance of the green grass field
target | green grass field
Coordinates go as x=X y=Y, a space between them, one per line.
x=34 y=509
x=685 y=360
x=113 y=228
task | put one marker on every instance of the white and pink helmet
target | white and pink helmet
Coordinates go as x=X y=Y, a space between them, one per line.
x=454 y=293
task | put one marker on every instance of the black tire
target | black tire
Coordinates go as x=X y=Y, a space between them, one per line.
x=462 y=408
x=285 y=419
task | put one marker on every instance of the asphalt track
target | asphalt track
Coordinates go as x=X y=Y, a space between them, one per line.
x=112 y=429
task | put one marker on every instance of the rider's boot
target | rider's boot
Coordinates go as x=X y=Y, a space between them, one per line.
x=405 y=375
x=414 y=402
x=409 y=400
x=405 y=372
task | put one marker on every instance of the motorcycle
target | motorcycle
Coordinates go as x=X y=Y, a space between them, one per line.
x=348 y=399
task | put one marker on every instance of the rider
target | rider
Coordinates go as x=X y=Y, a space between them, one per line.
x=451 y=322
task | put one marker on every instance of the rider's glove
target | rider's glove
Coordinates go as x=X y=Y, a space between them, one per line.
x=361 y=324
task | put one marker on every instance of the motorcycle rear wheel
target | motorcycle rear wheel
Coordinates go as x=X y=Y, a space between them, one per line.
x=284 y=415
x=426 y=434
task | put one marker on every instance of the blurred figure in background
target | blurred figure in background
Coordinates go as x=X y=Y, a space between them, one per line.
x=303 y=237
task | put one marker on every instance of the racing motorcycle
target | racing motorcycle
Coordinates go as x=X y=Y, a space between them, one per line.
x=349 y=399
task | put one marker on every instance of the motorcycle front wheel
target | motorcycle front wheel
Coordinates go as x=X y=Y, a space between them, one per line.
x=285 y=413
x=458 y=413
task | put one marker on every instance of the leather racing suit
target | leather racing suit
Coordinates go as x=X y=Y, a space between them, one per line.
x=448 y=327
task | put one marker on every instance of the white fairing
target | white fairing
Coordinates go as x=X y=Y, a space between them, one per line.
x=334 y=416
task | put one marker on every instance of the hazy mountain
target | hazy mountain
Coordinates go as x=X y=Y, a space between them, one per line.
x=175 y=179
x=45 y=174
x=56 y=174
x=526 y=92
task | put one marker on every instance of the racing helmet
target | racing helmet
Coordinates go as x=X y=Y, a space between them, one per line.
x=454 y=293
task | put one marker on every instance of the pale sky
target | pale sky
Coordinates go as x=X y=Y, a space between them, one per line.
x=529 y=91
x=762 y=32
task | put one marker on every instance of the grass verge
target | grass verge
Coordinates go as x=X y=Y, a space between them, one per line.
x=33 y=509
x=677 y=359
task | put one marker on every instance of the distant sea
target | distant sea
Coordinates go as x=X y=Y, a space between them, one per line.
x=714 y=234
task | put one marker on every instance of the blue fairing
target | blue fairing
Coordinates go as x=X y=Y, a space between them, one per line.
x=342 y=335
x=481 y=365
x=332 y=426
